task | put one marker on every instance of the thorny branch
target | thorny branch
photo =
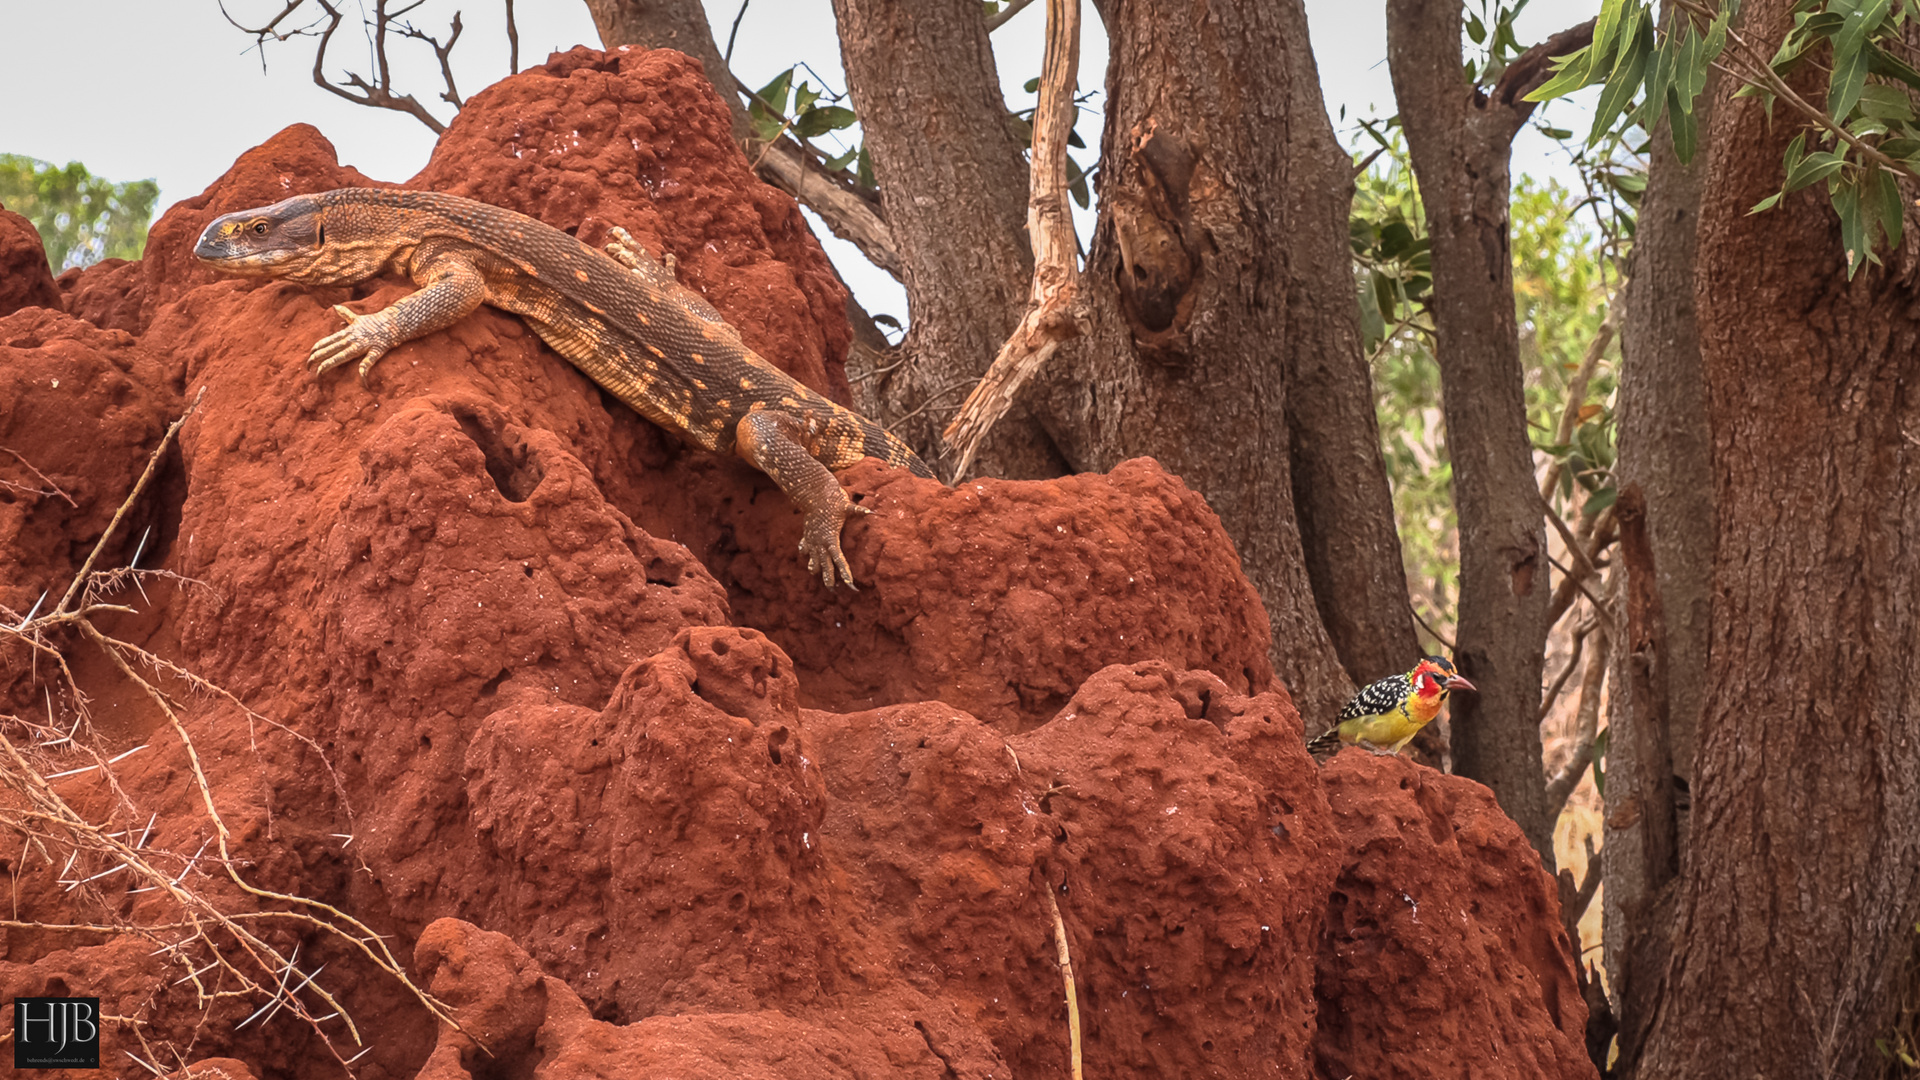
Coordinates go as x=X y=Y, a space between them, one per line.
x=206 y=937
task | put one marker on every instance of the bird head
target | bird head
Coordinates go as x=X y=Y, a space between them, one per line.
x=1436 y=674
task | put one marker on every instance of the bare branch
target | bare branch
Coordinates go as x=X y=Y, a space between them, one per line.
x=727 y=58
x=1054 y=315
x=1577 y=392
x=442 y=52
x=1587 y=726
x=377 y=97
x=1552 y=695
x=997 y=21
x=1065 y=960
x=513 y=42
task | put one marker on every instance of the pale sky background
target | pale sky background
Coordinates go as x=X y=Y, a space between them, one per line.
x=167 y=89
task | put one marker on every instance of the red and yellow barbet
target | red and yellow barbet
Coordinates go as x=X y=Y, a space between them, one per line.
x=1384 y=715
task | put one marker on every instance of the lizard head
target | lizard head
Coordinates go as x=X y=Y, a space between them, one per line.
x=286 y=240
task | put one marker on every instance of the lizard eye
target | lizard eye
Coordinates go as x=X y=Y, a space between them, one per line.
x=260 y=228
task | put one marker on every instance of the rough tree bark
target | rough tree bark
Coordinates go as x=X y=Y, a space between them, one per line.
x=1220 y=288
x=953 y=179
x=1664 y=470
x=1802 y=880
x=1460 y=140
x=1219 y=263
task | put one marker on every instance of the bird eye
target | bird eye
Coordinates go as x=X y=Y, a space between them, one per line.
x=260 y=228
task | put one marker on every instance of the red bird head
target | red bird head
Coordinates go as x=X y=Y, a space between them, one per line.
x=1436 y=675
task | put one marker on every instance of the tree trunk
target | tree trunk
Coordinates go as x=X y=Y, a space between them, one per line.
x=953 y=182
x=1664 y=471
x=1802 y=882
x=1460 y=140
x=1222 y=310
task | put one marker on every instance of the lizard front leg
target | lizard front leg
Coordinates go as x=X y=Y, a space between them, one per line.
x=450 y=288
x=776 y=445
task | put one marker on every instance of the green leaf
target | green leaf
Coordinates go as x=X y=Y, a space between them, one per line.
x=835 y=164
x=1683 y=126
x=1032 y=86
x=774 y=94
x=1813 y=168
x=1077 y=184
x=864 y=174
x=1886 y=103
x=1556 y=133
x=1627 y=74
x=1689 y=74
x=1373 y=328
x=1900 y=147
x=804 y=97
x=1825 y=24
x=1599 y=501
x=1892 y=213
x=1853 y=226
x=1886 y=65
x=1767 y=203
x=1476 y=29
x=1659 y=77
x=817 y=122
x=1850 y=56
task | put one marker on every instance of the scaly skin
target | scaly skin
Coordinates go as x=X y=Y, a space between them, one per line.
x=1388 y=713
x=618 y=316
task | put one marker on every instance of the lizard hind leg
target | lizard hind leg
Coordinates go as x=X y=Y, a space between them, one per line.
x=631 y=254
x=775 y=443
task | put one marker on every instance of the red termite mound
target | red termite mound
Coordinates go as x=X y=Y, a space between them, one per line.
x=549 y=701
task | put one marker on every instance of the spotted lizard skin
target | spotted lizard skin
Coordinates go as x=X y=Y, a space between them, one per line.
x=617 y=315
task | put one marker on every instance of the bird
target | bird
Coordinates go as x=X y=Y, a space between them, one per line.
x=1384 y=715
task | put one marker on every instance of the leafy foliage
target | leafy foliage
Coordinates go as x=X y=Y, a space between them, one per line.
x=81 y=217
x=807 y=113
x=1866 y=131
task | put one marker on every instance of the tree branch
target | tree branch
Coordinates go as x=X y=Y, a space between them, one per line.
x=1531 y=69
x=997 y=21
x=380 y=96
x=1053 y=309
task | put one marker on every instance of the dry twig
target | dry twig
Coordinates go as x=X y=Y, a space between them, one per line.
x=1054 y=315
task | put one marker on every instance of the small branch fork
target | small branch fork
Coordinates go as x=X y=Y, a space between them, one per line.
x=1054 y=315
x=206 y=938
x=379 y=93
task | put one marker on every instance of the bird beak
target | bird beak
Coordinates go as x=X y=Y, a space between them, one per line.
x=1459 y=682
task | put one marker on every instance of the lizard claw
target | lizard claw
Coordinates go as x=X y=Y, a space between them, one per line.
x=366 y=338
x=820 y=543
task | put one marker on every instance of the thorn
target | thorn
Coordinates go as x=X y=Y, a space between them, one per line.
x=34 y=610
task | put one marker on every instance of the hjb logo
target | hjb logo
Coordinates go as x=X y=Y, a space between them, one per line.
x=56 y=1033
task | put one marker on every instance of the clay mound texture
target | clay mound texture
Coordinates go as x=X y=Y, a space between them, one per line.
x=549 y=700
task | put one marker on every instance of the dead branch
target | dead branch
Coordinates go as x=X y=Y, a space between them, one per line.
x=1587 y=726
x=51 y=488
x=1054 y=315
x=995 y=22
x=1065 y=960
x=214 y=938
x=513 y=42
x=1552 y=695
x=1577 y=392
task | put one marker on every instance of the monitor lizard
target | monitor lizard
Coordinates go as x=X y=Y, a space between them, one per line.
x=619 y=317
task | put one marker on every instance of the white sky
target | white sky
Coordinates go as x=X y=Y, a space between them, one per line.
x=168 y=89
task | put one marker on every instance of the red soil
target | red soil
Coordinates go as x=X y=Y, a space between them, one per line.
x=633 y=793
